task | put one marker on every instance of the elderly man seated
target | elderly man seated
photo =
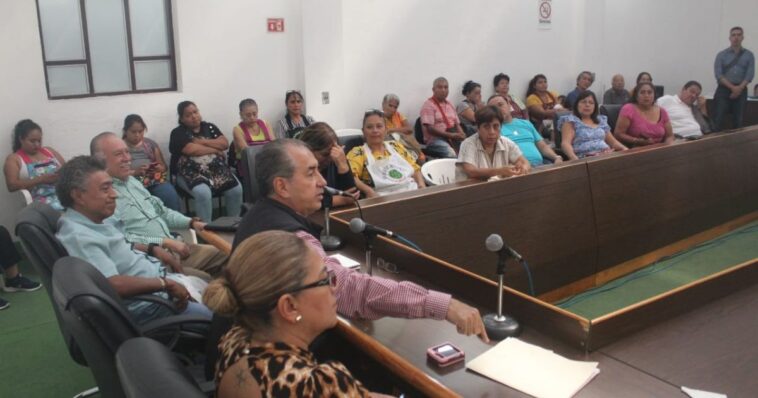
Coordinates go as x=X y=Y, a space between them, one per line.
x=86 y=192
x=617 y=94
x=287 y=174
x=488 y=154
x=523 y=133
x=146 y=219
x=687 y=111
x=439 y=122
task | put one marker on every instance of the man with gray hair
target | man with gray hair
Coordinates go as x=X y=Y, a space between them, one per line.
x=617 y=94
x=147 y=220
x=287 y=175
x=87 y=231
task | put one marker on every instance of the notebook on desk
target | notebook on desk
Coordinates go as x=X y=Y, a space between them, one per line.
x=224 y=224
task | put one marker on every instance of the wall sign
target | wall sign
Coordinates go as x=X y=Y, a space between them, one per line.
x=275 y=24
x=545 y=10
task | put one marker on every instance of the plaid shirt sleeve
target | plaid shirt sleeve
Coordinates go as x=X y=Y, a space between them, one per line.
x=363 y=296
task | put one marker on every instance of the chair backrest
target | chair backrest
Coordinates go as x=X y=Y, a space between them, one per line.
x=348 y=132
x=95 y=316
x=27 y=196
x=612 y=112
x=36 y=227
x=442 y=171
x=351 y=141
x=147 y=369
x=418 y=132
x=250 y=190
x=219 y=326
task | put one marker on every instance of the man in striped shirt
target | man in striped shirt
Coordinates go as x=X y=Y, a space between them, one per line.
x=292 y=189
x=147 y=220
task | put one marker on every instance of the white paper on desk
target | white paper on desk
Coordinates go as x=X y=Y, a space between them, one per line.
x=701 y=394
x=345 y=261
x=533 y=370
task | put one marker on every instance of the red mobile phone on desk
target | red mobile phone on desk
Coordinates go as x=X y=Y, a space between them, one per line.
x=445 y=354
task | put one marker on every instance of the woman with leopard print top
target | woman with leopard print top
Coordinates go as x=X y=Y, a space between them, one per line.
x=281 y=297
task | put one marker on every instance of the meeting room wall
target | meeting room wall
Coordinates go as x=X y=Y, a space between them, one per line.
x=674 y=40
x=224 y=54
x=400 y=46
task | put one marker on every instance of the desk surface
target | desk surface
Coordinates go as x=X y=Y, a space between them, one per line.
x=713 y=348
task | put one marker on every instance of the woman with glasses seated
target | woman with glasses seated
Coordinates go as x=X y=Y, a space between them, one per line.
x=295 y=120
x=382 y=167
x=332 y=163
x=32 y=166
x=281 y=296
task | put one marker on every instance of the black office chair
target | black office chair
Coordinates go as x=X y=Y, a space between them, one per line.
x=351 y=141
x=147 y=369
x=219 y=326
x=98 y=320
x=36 y=227
x=250 y=191
x=612 y=113
x=186 y=195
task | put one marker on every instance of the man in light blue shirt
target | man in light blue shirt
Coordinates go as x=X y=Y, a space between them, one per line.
x=734 y=69
x=523 y=133
x=86 y=191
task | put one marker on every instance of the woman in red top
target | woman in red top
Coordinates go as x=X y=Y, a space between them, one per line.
x=32 y=166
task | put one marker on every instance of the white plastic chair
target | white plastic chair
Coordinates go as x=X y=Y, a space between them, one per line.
x=27 y=196
x=442 y=171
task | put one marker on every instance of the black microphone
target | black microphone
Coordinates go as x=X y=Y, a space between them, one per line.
x=359 y=226
x=496 y=244
x=337 y=192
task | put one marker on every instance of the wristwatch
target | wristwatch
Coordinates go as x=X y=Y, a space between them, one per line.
x=151 y=249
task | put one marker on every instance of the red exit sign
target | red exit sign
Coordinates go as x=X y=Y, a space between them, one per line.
x=276 y=24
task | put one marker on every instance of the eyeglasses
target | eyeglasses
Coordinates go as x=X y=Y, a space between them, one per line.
x=330 y=280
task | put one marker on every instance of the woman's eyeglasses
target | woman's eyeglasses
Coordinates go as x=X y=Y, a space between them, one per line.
x=329 y=280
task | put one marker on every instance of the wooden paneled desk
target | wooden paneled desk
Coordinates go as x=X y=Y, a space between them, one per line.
x=713 y=347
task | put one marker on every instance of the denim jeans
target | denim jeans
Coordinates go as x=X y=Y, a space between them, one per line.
x=203 y=197
x=439 y=148
x=723 y=104
x=167 y=194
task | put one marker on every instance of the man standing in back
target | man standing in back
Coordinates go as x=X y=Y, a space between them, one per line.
x=734 y=69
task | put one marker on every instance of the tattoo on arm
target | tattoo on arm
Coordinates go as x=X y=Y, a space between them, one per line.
x=240 y=378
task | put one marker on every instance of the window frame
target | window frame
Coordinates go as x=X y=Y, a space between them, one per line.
x=171 y=57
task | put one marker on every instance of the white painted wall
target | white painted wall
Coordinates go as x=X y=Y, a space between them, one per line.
x=359 y=50
x=224 y=54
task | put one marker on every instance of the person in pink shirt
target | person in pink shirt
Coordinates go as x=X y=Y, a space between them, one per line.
x=642 y=122
x=440 y=124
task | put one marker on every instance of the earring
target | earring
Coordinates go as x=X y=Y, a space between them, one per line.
x=298 y=318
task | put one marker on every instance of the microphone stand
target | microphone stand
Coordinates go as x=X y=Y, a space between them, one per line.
x=369 y=238
x=499 y=326
x=328 y=241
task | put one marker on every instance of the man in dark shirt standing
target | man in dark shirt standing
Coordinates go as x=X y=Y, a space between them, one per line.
x=734 y=69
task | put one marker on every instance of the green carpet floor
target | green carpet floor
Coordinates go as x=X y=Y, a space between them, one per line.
x=700 y=261
x=34 y=360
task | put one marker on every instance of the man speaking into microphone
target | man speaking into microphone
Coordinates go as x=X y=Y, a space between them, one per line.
x=292 y=189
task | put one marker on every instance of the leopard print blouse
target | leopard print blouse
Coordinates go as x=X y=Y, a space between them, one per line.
x=282 y=370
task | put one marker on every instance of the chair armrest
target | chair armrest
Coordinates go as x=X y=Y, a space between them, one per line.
x=191 y=326
x=151 y=298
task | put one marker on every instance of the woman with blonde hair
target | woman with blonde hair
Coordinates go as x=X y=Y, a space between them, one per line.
x=281 y=296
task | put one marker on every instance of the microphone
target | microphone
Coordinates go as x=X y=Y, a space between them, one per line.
x=337 y=192
x=496 y=244
x=359 y=226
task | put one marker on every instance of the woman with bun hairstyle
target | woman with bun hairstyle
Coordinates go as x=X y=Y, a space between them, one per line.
x=281 y=296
